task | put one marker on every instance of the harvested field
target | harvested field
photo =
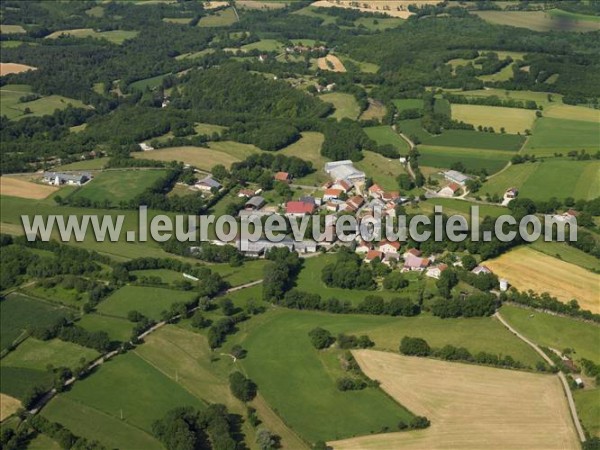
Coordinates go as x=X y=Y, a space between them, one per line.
x=527 y=269
x=570 y=112
x=9 y=68
x=21 y=187
x=12 y=29
x=8 y=406
x=255 y=4
x=214 y=5
x=470 y=407
x=331 y=62
x=376 y=110
x=393 y=8
x=513 y=120
x=200 y=157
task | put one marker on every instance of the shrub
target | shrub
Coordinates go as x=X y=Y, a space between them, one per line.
x=414 y=346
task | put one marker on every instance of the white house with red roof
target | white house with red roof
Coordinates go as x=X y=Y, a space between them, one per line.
x=376 y=191
x=436 y=271
x=372 y=254
x=298 y=209
x=332 y=193
x=481 y=269
x=450 y=190
x=386 y=246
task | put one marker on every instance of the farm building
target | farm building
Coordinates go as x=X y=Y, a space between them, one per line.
x=331 y=194
x=456 y=177
x=436 y=271
x=414 y=263
x=373 y=254
x=283 y=176
x=481 y=269
x=58 y=178
x=450 y=190
x=344 y=170
x=207 y=184
x=255 y=203
x=298 y=208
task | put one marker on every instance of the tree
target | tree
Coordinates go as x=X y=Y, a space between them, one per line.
x=266 y=440
x=413 y=346
x=199 y=321
x=448 y=279
x=241 y=387
x=405 y=182
x=227 y=306
x=320 y=338
x=468 y=262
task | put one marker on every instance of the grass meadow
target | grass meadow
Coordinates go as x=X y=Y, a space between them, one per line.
x=476 y=139
x=557 y=135
x=513 y=120
x=11 y=106
x=222 y=18
x=568 y=254
x=114 y=36
x=18 y=381
x=384 y=171
x=588 y=408
x=553 y=20
x=385 y=135
x=471 y=158
x=345 y=105
x=118 y=329
x=37 y=355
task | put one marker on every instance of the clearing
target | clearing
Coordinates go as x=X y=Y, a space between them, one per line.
x=20 y=187
x=12 y=29
x=513 y=120
x=222 y=18
x=114 y=36
x=8 y=68
x=525 y=269
x=332 y=63
x=375 y=110
x=345 y=105
x=393 y=8
x=470 y=407
x=540 y=20
x=308 y=147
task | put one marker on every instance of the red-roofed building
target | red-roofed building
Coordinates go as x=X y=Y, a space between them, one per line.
x=411 y=252
x=450 y=190
x=355 y=202
x=295 y=209
x=283 y=176
x=436 y=271
x=386 y=246
x=344 y=185
x=389 y=196
x=332 y=193
x=415 y=263
x=372 y=254
x=375 y=191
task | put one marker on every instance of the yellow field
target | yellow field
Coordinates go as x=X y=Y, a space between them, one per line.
x=570 y=112
x=376 y=110
x=214 y=5
x=525 y=269
x=470 y=407
x=388 y=7
x=8 y=68
x=8 y=406
x=21 y=187
x=256 y=4
x=12 y=29
x=334 y=60
x=514 y=120
x=308 y=147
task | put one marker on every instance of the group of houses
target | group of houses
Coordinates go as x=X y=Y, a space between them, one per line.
x=71 y=179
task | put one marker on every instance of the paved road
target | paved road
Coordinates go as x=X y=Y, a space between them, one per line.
x=561 y=375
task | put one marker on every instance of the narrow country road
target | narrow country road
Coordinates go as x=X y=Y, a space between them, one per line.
x=561 y=375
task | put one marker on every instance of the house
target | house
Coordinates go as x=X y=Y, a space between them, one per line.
x=343 y=185
x=391 y=259
x=569 y=214
x=312 y=200
x=376 y=191
x=255 y=203
x=207 y=184
x=511 y=193
x=372 y=254
x=481 y=269
x=344 y=170
x=145 y=147
x=450 y=190
x=456 y=177
x=390 y=196
x=436 y=271
x=503 y=284
x=283 y=176
x=414 y=263
x=355 y=202
x=58 y=178
x=332 y=206
x=363 y=247
x=298 y=209
x=248 y=193
x=411 y=252
x=386 y=246
x=332 y=193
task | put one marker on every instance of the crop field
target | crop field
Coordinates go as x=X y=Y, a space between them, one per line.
x=8 y=406
x=570 y=112
x=525 y=269
x=345 y=105
x=568 y=254
x=17 y=381
x=332 y=63
x=540 y=20
x=588 y=409
x=35 y=354
x=114 y=36
x=109 y=391
x=555 y=332
x=541 y=98
x=9 y=68
x=375 y=110
x=475 y=139
x=472 y=158
x=384 y=135
x=118 y=329
x=265 y=4
x=563 y=178
x=470 y=407
x=513 y=120
x=19 y=313
x=147 y=300
x=21 y=187
x=118 y=185
x=395 y=8
x=13 y=108
x=12 y=29
x=555 y=135
x=383 y=170
x=222 y=18
x=514 y=176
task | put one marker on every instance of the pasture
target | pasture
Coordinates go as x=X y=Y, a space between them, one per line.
x=308 y=147
x=588 y=409
x=570 y=112
x=394 y=8
x=12 y=107
x=114 y=36
x=35 y=354
x=331 y=63
x=18 y=381
x=19 y=313
x=8 y=406
x=345 y=105
x=385 y=135
x=149 y=301
x=21 y=187
x=87 y=164
x=514 y=176
x=264 y=4
x=222 y=18
x=192 y=55
x=375 y=110
x=557 y=135
x=118 y=329
x=568 y=254
x=456 y=206
x=246 y=273
x=408 y=103
x=384 y=171
x=555 y=332
x=362 y=66
x=10 y=68
x=471 y=158
x=540 y=20
x=470 y=407
x=264 y=45
x=513 y=120
x=525 y=269
x=476 y=139
x=148 y=83
x=118 y=185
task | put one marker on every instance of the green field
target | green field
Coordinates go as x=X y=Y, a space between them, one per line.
x=588 y=408
x=514 y=176
x=513 y=120
x=567 y=253
x=114 y=36
x=206 y=51
x=555 y=331
x=385 y=135
x=178 y=20
x=298 y=381
x=147 y=300
x=472 y=158
x=264 y=45
x=408 y=103
x=58 y=294
x=148 y=83
x=11 y=107
x=345 y=105
x=363 y=66
x=118 y=185
x=88 y=164
x=246 y=273
x=455 y=206
x=379 y=23
x=504 y=74
x=19 y=313
x=384 y=171
x=475 y=139
x=222 y=18
x=118 y=329
x=308 y=147
x=18 y=382
x=553 y=20
x=42 y=442
x=35 y=354
x=208 y=128
x=556 y=135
